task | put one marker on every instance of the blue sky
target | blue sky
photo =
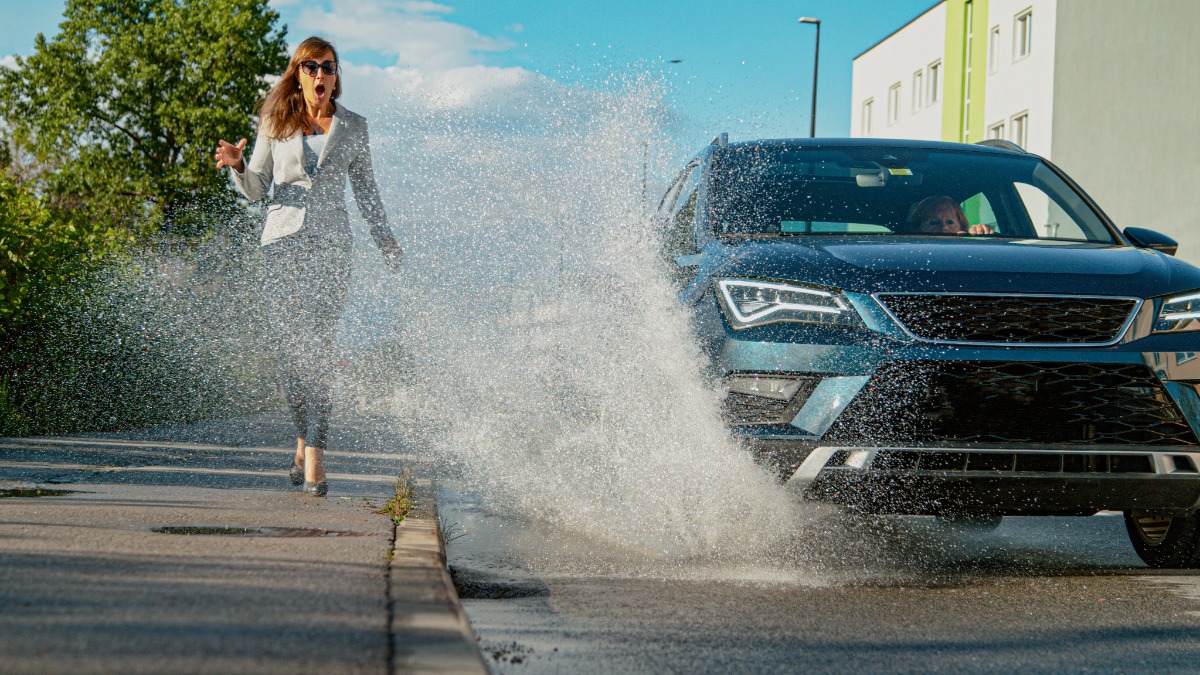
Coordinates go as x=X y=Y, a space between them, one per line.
x=745 y=67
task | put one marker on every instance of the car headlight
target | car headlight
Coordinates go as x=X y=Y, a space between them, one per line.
x=1178 y=313
x=749 y=303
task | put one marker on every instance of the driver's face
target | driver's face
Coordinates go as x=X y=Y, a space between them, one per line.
x=943 y=220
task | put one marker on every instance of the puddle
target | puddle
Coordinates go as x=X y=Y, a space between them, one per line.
x=473 y=584
x=26 y=493
x=199 y=530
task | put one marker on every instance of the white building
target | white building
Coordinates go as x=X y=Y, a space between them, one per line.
x=897 y=84
x=1106 y=89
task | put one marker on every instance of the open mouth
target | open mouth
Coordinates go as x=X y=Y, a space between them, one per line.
x=319 y=90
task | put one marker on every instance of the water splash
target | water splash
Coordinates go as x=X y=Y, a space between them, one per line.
x=560 y=370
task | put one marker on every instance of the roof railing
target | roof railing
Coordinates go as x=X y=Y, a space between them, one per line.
x=1001 y=144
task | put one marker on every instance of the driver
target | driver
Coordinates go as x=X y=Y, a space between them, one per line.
x=942 y=215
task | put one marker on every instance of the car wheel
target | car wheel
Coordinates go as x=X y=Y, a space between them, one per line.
x=976 y=524
x=1165 y=541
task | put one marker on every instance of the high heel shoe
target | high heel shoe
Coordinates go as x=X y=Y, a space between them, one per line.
x=316 y=489
x=296 y=475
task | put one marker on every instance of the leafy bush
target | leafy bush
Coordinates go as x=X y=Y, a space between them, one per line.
x=40 y=250
x=95 y=336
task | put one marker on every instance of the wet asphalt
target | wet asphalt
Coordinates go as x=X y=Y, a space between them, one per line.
x=1049 y=595
x=867 y=595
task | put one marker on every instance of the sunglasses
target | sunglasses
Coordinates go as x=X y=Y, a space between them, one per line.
x=327 y=67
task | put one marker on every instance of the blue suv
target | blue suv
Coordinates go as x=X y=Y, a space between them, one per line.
x=944 y=329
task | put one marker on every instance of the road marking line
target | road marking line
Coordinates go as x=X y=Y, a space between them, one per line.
x=378 y=478
x=1183 y=586
x=41 y=443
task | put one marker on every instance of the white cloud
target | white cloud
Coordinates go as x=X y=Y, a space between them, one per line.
x=420 y=6
x=511 y=93
x=9 y=61
x=437 y=63
x=414 y=33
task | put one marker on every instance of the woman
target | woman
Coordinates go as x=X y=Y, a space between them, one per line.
x=307 y=147
x=942 y=215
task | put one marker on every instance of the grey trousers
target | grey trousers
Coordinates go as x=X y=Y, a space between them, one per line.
x=306 y=282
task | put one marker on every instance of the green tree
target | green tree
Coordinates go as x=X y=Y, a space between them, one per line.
x=122 y=108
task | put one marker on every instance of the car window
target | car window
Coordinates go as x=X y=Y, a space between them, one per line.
x=978 y=210
x=672 y=194
x=1050 y=220
x=821 y=227
x=789 y=191
x=680 y=217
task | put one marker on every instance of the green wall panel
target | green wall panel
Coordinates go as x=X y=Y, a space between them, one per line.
x=955 y=84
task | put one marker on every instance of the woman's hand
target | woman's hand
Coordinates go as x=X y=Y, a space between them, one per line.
x=393 y=255
x=230 y=155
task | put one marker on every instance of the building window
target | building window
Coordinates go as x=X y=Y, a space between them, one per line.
x=935 y=81
x=894 y=103
x=918 y=89
x=1023 y=34
x=866 y=116
x=1019 y=129
x=996 y=131
x=994 y=49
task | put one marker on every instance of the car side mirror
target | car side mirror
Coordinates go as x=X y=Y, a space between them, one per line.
x=1143 y=238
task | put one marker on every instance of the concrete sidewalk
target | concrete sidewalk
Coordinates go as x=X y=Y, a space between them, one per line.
x=170 y=555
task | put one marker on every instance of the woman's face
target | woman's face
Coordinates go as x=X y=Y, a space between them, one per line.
x=318 y=87
x=942 y=220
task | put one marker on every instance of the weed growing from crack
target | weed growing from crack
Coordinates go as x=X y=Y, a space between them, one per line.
x=398 y=507
x=450 y=531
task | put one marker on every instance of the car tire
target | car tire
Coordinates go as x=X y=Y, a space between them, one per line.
x=1165 y=541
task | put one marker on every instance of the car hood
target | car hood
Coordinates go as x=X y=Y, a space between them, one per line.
x=932 y=264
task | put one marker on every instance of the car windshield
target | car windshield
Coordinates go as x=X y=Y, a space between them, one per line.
x=781 y=191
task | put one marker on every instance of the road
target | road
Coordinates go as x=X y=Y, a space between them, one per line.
x=885 y=595
x=882 y=595
x=187 y=550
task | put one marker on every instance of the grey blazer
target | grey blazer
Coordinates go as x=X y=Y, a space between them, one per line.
x=316 y=203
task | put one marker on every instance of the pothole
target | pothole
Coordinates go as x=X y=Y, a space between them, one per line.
x=201 y=530
x=26 y=493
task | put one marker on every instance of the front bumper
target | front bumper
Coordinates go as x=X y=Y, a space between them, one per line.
x=886 y=425
x=1026 y=480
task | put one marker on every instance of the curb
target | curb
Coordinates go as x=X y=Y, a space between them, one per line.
x=430 y=631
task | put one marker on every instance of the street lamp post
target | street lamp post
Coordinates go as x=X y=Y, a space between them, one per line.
x=812 y=129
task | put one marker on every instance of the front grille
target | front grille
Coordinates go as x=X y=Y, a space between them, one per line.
x=1012 y=462
x=1010 y=319
x=1012 y=402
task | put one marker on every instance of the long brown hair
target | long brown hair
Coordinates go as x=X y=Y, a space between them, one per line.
x=283 y=112
x=929 y=205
